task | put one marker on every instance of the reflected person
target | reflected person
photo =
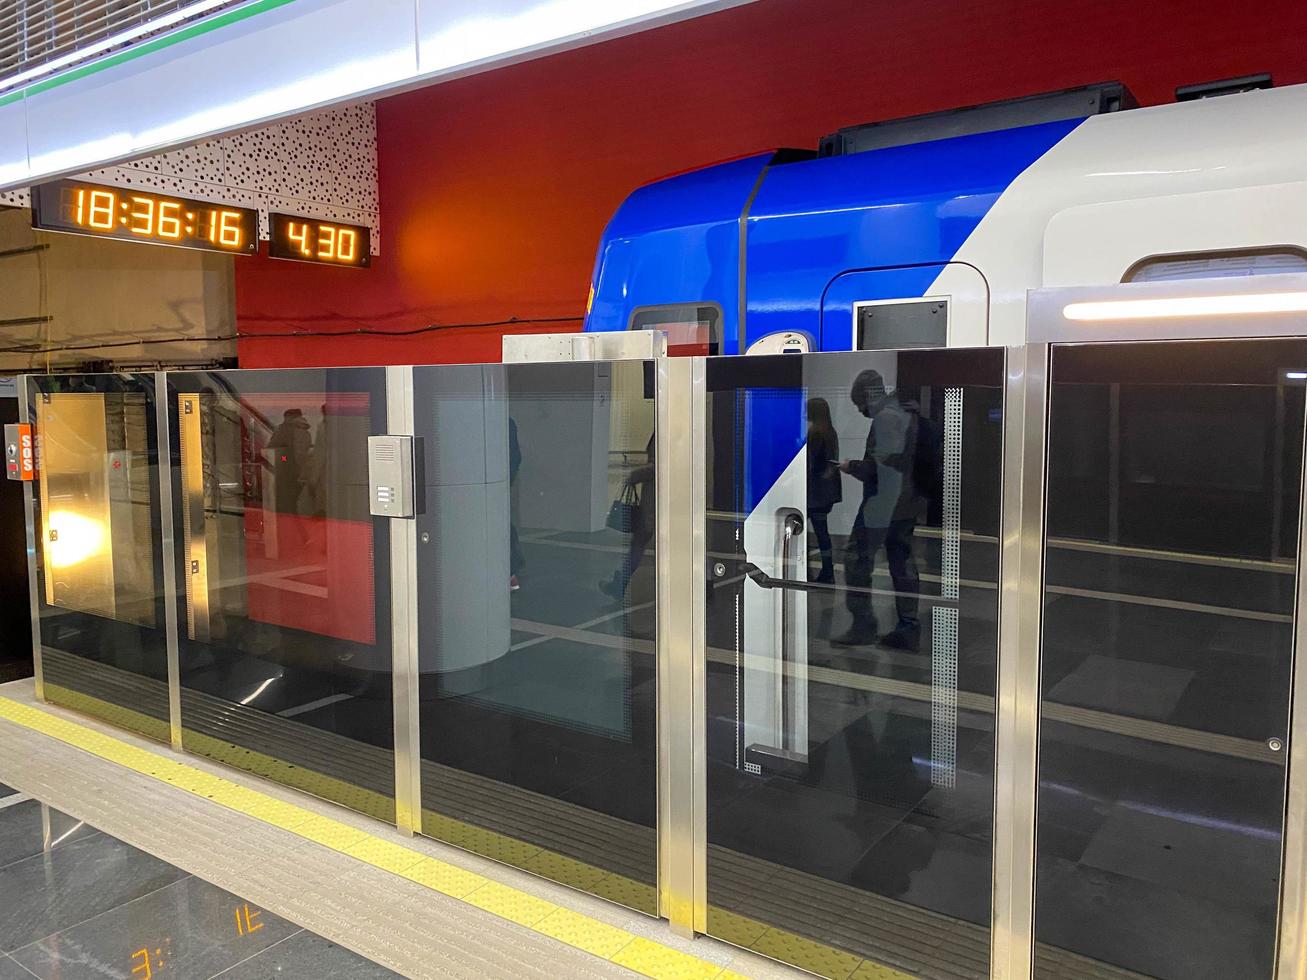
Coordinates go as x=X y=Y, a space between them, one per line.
x=825 y=485
x=291 y=442
x=516 y=560
x=643 y=526
x=886 y=517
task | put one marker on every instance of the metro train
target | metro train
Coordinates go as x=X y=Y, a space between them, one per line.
x=928 y=231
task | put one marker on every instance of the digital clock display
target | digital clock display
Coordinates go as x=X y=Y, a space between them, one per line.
x=135 y=215
x=312 y=240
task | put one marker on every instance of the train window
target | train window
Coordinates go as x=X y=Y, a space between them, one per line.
x=1218 y=265
x=900 y=324
x=692 y=328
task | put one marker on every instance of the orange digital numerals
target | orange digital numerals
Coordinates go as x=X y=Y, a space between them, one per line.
x=333 y=243
x=246 y=919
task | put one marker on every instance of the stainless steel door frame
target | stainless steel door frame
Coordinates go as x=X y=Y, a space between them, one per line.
x=1025 y=414
x=1258 y=307
x=163 y=413
x=404 y=625
x=1291 y=954
x=681 y=394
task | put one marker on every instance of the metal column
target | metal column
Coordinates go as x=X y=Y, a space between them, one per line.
x=404 y=624
x=1025 y=408
x=162 y=413
x=682 y=609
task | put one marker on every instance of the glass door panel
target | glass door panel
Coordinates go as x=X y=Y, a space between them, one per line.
x=536 y=619
x=1170 y=576
x=99 y=565
x=285 y=644
x=853 y=508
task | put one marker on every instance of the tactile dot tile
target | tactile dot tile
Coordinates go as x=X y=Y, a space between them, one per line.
x=563 y=869
x=441 y=827
x=626 y=891
x=330 y=833
x=448 y=879
x=815 y=957
x=288 y=816
x=875 y=971
x=385 y=854
x=583 y=932
x=509 y=903
x=498 y=846
x=115 y=714
x=194 y=781
x=314 y=783
x=655 y=960
x=734 y=928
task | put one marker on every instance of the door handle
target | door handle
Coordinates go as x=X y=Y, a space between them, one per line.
x=761 y=578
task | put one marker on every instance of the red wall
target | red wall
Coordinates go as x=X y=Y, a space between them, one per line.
x=495 y=188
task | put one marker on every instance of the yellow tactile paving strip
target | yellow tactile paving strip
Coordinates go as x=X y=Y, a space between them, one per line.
x=563 y=925
x=573 y=928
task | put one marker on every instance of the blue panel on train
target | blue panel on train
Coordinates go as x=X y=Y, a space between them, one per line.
x=676 y=241
x=815 y=219
x=775 y=431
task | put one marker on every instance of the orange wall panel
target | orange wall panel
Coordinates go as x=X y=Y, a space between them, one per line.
x=495 y=187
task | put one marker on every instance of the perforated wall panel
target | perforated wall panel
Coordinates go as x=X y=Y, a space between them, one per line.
x=323 y=165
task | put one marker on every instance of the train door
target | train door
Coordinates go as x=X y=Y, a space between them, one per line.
x=851 y=656
x=934 y=305
x=1170 y=576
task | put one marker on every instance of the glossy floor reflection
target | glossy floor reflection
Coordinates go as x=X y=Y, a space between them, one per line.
x=81 y=904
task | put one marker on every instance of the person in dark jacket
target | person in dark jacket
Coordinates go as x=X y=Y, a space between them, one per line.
x=891 y=507
x=291 y=443
x=825 y=485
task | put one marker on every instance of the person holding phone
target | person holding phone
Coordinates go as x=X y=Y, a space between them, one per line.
x=891 y=506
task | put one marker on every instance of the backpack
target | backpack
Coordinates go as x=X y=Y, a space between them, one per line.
x=928 y=458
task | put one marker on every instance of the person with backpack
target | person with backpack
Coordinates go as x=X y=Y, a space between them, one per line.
x=887 y=517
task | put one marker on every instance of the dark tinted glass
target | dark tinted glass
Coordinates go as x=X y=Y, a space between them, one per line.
x=852 y=632
x=536 y=612
x=1174 y=475
x=99 y=569
x=285 y=642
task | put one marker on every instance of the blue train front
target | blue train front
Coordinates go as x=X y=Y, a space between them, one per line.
x=927 y=241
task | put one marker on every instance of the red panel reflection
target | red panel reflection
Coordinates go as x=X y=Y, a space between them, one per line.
x=308 y=534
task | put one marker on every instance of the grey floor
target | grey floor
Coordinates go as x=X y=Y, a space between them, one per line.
x=82 y=904
x=407 y=927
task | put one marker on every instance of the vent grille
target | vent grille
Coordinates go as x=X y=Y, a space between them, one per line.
x=39 y=37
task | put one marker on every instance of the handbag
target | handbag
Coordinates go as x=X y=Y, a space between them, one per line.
x=624 y=514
